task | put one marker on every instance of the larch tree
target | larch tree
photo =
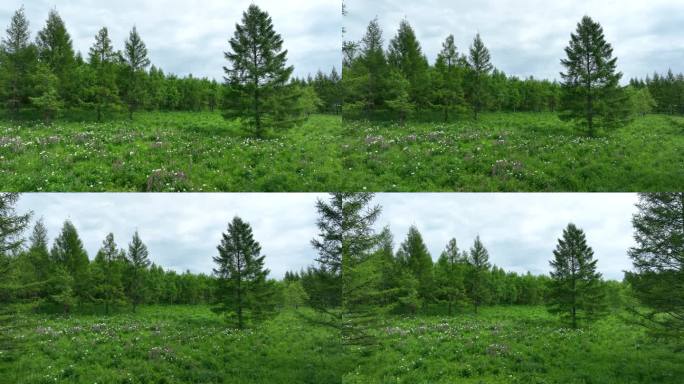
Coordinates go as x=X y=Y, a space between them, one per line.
x=406 y=56
x=447 y=93
x=136 y=62
x=38 y=252
x=414 y=256
x=591 y=92
x=449 y=276
x=17 y=61
x=56 y=52
x=479 y=264
x=658 y=257
x=12 y=225
x=138 y=263
x=257 y=89
x=107 y=274
x=575 y=292
x=243 y=292
x=103 y=91
x=480 y=68
x=68 y=252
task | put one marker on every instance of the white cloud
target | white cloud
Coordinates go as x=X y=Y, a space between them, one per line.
x=528 y=37
x=185 y=37
x=182 y=230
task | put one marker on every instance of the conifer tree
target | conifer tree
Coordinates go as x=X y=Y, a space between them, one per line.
x=48 y=101
x=136 y=61
x=415 y=257
x=576 y=291
x=447 y=82
x=107 y=274
x=38 y=252
x=55 y=50
x=658 y=257
x=17 y=61
x=138 y=262
x=480 y=68
x=103 y=92
x=406 y=56
x=258 y=75
x=243 y=291
x=12 y=225
x=449 y=276
x=591 y=92
x=68 y=252
x=479 y=263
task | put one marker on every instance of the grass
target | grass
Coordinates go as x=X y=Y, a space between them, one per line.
x=169 y=345
x=202 y=152
x=515 y=345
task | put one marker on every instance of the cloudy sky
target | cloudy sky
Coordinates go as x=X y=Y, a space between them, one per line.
x=527 y=37
x=190 y=37
x=182 y=230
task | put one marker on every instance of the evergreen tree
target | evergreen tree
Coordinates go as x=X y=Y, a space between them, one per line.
x=49 y=102
x=294 y=295
x=658 y=257
x=480 y=68
x=12 y=226
x=138 y=262
x=68 y=252
x=479 y=262
x=55 y=50
x=449 y=276
x=243 y=290
x=257 y=79
x=103 y=92
x=591 y=92
x=38 y=252
x=576 y=291
x=17 y=61
x=107 y=274
x=414 y=256
x=136 y=61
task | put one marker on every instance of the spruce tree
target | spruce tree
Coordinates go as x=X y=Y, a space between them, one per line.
x=480 y=68
x=479 y=264
x=103 y=92
x=55 y=50
x=38 y=252
x=107 y=274
x=658 y=257
x=243 y=291
x=591 y=91
x=138 y=262
x=136 y=61
x=17 y=61
x=68 y=252
x=258 y=75
x=12 y=225
x=48 y=101
x=575 y=291
x=415 y=257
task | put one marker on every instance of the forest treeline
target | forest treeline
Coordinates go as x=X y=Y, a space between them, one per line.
x=399 y=82
x=358 y=275
x=46 y=76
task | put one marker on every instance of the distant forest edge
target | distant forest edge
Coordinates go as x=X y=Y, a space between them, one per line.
x=44 y=78
x=399 y=82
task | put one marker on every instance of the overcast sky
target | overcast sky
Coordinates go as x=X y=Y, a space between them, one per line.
x=527 y=37
x=182 y=230
x=185 y=37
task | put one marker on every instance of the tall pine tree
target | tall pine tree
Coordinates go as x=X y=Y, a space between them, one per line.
x=591 y=92
x=479 y=263
x=18 y=59
x=56 y=52
x=576 y=291
x=243 y=291
x=103 y=91
x=449 y=276
x=447 y=81
x=415 y=257
x=138 y=263
x=258 y=75
x=68 y=252
x=480 y=68
x=107 y=274
x=136 y=61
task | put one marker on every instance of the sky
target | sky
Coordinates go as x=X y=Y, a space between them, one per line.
x=528 y=37
x=183 y=230
x=186 y=37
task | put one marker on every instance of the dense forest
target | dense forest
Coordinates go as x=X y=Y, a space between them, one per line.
x=400 y=81
x=45 y=77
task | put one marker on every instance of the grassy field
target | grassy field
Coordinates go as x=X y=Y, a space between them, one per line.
x=515 y=345
x=168 y=345
x=202 y=152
